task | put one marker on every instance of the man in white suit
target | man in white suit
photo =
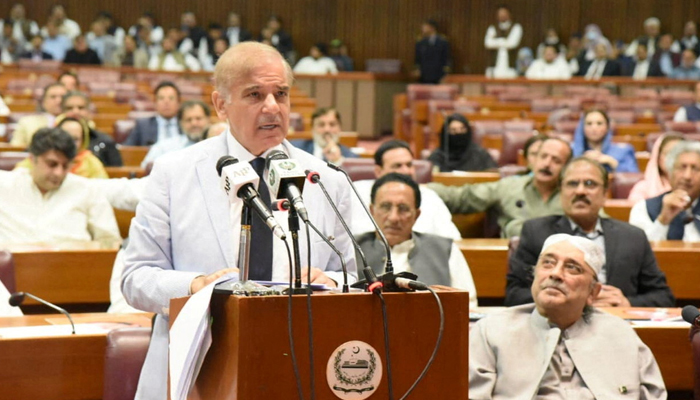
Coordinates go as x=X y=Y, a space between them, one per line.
x=184 y=232
x=560 y=347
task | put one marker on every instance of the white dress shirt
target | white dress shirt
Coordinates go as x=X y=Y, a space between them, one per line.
x=641 y=70
x=540 y=69
x=167 y=128
x=460 y=274
x=655 y=230
x=76 y=211
x=681 y=114
x=434 y=218
x=502 y=45
x=595 y=71
x=312 y=66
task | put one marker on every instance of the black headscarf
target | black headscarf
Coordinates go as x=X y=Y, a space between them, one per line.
x=459 y=152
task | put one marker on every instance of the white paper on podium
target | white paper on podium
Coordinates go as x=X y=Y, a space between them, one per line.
x=190 y=339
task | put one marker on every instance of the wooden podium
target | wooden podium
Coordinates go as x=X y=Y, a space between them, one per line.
x=250 y=355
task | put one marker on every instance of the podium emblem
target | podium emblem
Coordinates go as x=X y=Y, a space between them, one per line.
x=354 y=370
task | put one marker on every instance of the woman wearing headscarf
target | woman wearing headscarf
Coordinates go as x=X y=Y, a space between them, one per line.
x=457 y=151
x=655 y=180
x=593 y=139
x=85 y=163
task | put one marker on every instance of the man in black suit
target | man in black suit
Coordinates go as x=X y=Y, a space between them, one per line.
x=325 y=128
x=432 y=60
x=36 y=53
x=667 y=59
x=644 y=66
x=601 y=65
x=235 y=33
x=81 y=53
x=630 y=276
x=280 y=39
x=164 y=125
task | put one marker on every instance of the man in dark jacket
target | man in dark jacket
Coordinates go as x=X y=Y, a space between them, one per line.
x=432 y=54
x=77 y=104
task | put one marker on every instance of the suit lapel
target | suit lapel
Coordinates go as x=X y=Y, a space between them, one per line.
x=609 y=238
x=563 y=225
x=217 y=205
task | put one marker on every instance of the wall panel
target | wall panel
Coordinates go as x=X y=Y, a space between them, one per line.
x=388 y=28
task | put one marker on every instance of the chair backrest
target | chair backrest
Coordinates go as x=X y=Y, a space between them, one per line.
x=122 y=129
x=8 y=159
x=7 y=270
x=512 y=143
x=363 y=168
x=684 y=127
x=623 y=182
x=124 y=357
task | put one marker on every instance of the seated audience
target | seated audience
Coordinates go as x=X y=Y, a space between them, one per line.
x=172 y=59
x=316 y=63
x=280 y=39
x=575 y=53
x=164 y=125
x=457 y=151
x=630 y=277
x=656 y=180
x=50 y=106
x=652 y=29
x=551 y=38
x=66 y=26
x=396 y=156
x=193 y=117
x=592 y=37
x=437 y=260
x=188 y=23
x=81 y=53
x=48 y=204
x=674 y=215
x=209 y=60
x=205 y=48
x=10 y=48
x=665 y=56
x=691 y=112
x=129 y=55
x=593 y=139
x=515 y=199
x=687 y=69
x=570 y=349
x=550 y=66
x=325 y=143
x=531 y=149
x=111 y=28
x=644 y=66
x=77 y=105
x=36 y=51
x=22 y=29
x=84 y=163
x=690 y=37
x=69 y=80
x=601 y=65
x=146 y=28
x=432 y=54
x=234 y=32
x=339 y=53
x=99 y=40
x=55 y=43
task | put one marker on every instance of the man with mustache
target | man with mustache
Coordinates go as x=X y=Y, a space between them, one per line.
x=185 y=232
x=560 y=347
x=674 y=215
x=515 y=199
x=630 y=277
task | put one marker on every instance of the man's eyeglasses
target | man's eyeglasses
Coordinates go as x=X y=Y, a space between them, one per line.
x=588 y=184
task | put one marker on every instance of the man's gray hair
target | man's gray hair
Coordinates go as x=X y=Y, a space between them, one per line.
x=682 y=147
x=652 y=21
x=593 y=254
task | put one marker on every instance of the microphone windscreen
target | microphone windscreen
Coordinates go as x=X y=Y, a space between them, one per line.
x=689 y=314
x=223 y=162
x=16 y=299
x=274 y=155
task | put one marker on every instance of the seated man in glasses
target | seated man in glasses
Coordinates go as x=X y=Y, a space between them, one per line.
x=630 y=277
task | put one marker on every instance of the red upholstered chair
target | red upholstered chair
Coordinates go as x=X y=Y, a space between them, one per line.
x=122 y=129
x=296 y=121
x=363 y=168
x=512 y=143
x=683 y=127
x=124 y=357
x=8 y=159
x=621 y=116
x=572 y=104
x=7 y=270
x=431 y=92
x=566 y=126
x=543 y=105
x=623 y=182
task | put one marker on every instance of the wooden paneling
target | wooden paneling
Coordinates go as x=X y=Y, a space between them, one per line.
x=388 y=29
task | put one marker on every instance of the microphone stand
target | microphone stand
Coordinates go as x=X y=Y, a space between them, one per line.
x=293 y=221
x=244 y=244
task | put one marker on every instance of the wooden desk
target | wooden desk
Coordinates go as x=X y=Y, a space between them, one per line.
x=618 y=209
x=462 y=178
x=126 y=172
x=488 y=262
x=57 y=367
x=64 y=275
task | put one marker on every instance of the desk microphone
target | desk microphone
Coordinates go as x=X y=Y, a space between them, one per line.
x=691 y=315
x=286 y=180
x=18 y=297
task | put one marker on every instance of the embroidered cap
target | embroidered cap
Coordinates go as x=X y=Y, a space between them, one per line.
x=593 y=254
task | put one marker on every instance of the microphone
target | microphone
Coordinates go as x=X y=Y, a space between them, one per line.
x=286 y=178
x=238 y=181
x=389 y=265
x=691 y=315
x=405 y=283
x=18 y=297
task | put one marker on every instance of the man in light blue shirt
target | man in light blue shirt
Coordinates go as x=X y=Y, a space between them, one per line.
x=687 y=69
x=194 y=119
x=56 y=44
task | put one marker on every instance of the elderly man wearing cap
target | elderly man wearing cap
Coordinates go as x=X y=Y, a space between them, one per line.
x=560 y=347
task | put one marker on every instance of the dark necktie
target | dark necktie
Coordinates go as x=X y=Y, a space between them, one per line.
x=261 y=241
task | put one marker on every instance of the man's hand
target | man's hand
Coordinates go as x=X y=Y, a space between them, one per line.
x=317 y=276
x=610 y=296
x=332 y=151
x=602 y=158
x=672 y=205
x=200 y=282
